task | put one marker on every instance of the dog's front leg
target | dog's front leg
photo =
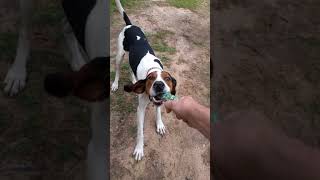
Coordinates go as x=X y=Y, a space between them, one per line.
x=77 y=60
x=160 y=126
x=143 y=102
x=16 y=77
x=119 y=57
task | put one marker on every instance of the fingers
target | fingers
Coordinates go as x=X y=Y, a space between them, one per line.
x=178 y=117
x=169 y=105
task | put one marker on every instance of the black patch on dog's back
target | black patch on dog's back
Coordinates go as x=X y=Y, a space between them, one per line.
x=158 y=61
x=137 y=48
x=77 y=13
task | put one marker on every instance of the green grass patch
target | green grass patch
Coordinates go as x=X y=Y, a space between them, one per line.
x=126 y=4
x=8 y=42
x=125 y=66
x=187 y=4
x=158 y=42
x=122 y=101
x=51 y=15
x=112 y=75
x=164 y=59
x=163 y=47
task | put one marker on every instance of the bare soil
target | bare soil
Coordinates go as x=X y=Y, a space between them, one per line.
x=41 y=137
x=267 y=58
x=182 y=153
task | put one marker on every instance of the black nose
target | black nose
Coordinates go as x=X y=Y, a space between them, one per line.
x=158 y=85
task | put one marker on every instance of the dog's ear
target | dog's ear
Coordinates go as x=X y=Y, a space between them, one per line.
x=139 y=87
x=89 y=83
x=59 y=84
x=174 y=84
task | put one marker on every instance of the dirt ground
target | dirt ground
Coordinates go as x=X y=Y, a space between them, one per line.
x=181 y=39
x=41 y=137
x=266 y=56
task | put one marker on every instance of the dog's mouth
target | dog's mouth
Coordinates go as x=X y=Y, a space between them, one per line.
x=157 y=99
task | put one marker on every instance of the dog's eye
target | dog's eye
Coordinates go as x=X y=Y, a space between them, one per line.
x=150 y=77
x=167 y=79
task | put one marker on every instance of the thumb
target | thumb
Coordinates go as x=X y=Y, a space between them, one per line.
x=169 y=105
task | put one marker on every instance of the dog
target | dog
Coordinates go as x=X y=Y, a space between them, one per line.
x=149 y=80
x=16 y=77
x=86 y=34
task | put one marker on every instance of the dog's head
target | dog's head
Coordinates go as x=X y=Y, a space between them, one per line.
x=89 y=83
x=155 y=85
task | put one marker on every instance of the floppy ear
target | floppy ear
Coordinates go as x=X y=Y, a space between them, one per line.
x=89 y=83
x=139 y=87
x=174 y=84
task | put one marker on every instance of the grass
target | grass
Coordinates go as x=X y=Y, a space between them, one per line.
x=158 y=43
x=123 y=102
x=51 y=15
x=127 y=4
x=187 y=4
x=164 y=59
x=8 y=41
x=26 y=126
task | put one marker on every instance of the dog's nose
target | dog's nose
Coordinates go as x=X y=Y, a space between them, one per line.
x=158 y=85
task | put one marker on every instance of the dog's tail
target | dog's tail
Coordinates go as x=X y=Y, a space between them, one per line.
x=123 y=13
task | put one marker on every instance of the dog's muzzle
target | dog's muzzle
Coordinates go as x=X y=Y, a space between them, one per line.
x=157 y=100
x=158 y=88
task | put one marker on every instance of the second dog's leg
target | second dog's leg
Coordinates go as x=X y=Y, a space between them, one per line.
x=160 y=126
x=143 y=102
x=77 y=60
x=16 y=77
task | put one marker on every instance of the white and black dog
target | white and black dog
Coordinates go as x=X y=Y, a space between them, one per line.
x=149 y=79
x=86 y=29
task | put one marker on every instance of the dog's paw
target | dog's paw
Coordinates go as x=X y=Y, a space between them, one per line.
x=138 y=152
x=161 y=129
x=15 y=80
x=114 y=86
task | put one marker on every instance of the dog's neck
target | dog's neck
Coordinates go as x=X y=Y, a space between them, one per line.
x=153 y=69
x=147 y=65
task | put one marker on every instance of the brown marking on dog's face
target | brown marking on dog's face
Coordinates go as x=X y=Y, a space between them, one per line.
x=142 y=86
x=170 y=81
x=145 y=85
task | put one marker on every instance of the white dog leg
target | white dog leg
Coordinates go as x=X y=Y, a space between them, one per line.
x=133 y=77
x=16 y=77
x=143 y=102
x=77 y=60
x=119 y=58
x=97 y=148
x=160 y=126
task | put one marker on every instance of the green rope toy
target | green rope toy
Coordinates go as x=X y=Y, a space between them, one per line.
x=168 y=96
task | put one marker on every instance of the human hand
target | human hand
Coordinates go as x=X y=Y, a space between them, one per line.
x=191 y=112
x=181 y=107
